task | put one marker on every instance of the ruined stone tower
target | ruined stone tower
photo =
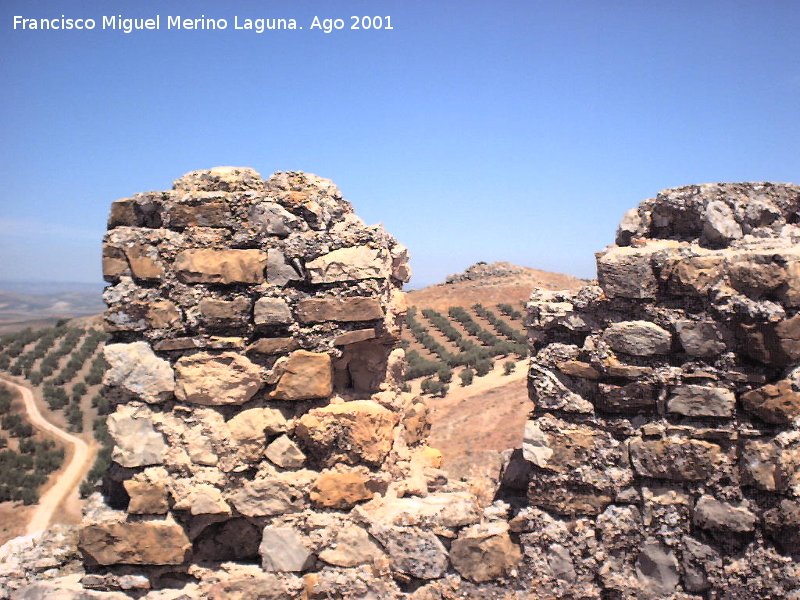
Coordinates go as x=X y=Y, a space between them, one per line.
x=259 y=417
x=663 y=451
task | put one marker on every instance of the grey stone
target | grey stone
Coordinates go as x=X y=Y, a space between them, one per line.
x=351 y=547
x=657 y=568
x=560 y=563
x=279 y=271
x=632 y=225
x=718 y=516
x=349 y=264
x=136 y=442
x=135 y=369
x=639 y=338
x=413 y=551
x=719 y=224
x=626 y=273
x=272 y=311
x=271 y=218
x=267 y=497
x=697 y=559
x=700 y=338
x=282 y=549
x=285 y=453
x=701 y=401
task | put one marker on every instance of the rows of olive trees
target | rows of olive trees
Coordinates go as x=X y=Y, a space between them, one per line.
x=475 y=350
x=24 y=470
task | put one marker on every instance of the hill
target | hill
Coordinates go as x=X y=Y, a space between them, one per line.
x=466 y=345
x=39 y=304
x=490 y=283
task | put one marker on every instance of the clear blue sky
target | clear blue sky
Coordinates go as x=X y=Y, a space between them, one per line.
x=515 y=131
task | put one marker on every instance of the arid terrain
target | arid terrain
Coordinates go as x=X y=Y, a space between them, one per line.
x=472 y=425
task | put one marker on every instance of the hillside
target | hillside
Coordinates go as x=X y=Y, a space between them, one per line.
x=474 y=322
x=490 y=284
x=42 y=304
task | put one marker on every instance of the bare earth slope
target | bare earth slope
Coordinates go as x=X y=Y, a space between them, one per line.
x=490 y=284
x=473 y=425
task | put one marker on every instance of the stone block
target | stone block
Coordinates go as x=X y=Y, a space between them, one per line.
x=306 y=375
x=676 y=459
x=221 y=266
x=639 y=338
x=216 y=379
x=345 y=310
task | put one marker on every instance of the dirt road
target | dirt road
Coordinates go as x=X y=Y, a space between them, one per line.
x=69 y=477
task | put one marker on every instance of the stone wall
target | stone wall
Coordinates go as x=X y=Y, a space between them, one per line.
x=262 y=447
x=662 y=456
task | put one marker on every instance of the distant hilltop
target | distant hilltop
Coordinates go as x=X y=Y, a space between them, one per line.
x=482 y=270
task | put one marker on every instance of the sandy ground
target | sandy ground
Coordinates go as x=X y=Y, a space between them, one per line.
x=63 y=492
x=473 y=425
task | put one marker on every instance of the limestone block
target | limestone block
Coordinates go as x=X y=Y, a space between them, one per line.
x=135 y=369
x=147 y=496
x=777 y=403
x=136 y=442
x=340 y=489
x=144 y=262
x=151 y=542
x=221 y=266
x=306 y=375
x=346 y=310
x=639 y=338
x=353 y=337
x=229 y=313
x=484 y=552
x=248 y=431
x=216 y=379
x=163 y=314
x=208 y=213
x=676 y=459
x=349 y=264
x=268 y=346
x=696 y=275
x=348 y=432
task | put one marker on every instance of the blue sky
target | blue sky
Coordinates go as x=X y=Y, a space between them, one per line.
x=515 y=131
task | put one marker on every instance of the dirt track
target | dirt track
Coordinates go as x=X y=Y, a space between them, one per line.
x=69 y=478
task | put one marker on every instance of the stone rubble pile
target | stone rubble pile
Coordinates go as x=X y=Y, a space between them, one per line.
x=662 y=456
